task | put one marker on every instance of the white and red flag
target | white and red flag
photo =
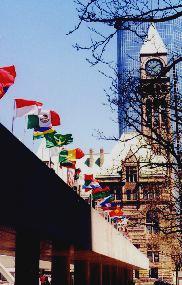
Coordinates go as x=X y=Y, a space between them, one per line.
x=24 y=107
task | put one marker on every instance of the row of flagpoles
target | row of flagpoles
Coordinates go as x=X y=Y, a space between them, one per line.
x=106 y=201
x=42 y=123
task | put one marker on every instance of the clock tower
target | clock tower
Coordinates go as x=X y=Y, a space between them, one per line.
x=155 y=88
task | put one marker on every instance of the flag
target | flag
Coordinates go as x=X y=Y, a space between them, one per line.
x=116 y=213
x=41 y=132
x=87 y=187
x=99 y=195
x=77 y=173
x=48 y=118
x=56 y=139
x=88 y=179
x=7 y=78
x=68 y=164
x=100 y=190
x=44 y=119
x=124 y=220
x=33 y=122
x=25 y=107
x=55 y=118
x=90 y=183
x=63 y=156
x=70 y=155
x=106 y=207
x=94 y=184
x=41 y=120
x=106 y=200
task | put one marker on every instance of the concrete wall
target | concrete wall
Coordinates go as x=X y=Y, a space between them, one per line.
x=108 y=241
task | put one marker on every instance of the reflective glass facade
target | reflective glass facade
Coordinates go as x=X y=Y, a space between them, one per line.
x=129 y=45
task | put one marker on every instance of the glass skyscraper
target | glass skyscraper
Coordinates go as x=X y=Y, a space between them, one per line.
x=129 y=45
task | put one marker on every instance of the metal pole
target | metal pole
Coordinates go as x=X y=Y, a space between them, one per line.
x=12 y=127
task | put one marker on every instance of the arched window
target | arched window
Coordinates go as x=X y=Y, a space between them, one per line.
x=152 y=221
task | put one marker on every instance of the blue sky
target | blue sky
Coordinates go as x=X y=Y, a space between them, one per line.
x=33 y=38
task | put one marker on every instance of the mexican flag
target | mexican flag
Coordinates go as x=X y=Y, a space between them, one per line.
x=24 y=107
x=45 y=119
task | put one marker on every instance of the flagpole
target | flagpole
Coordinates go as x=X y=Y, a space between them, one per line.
x=12 y=127
x=58 y=161
x=67 y=175
x=42 y=152
x=57 y=168
x=49 y=158
x=91 y=200
x=24 y=132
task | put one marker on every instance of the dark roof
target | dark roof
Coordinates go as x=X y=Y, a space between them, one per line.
x=34 y=198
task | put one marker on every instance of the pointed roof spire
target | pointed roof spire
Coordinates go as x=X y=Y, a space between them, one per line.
x=153 y=42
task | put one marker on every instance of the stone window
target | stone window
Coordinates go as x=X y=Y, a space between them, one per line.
x=152 y=254
x=152 y=222
x=137 y=245
x=137 y=274
x=151 y=194
x=131 y=174
x=128 y=194
x=149 y=112
x=153 y=272
x=135 y=194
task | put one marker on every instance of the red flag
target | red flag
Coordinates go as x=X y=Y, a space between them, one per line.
x=88 y=177
x=55 y=118
x=100 y=190
x=79 y=153
x=7 y=78
x=20 y=103
x=116 y=213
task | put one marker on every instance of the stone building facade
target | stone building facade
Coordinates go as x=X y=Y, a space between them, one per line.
x=141 y=190
x=135 y=169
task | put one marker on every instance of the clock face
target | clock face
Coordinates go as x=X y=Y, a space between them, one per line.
x=153 y=67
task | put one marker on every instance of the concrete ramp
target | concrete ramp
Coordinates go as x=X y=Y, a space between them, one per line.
x=106 y=240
